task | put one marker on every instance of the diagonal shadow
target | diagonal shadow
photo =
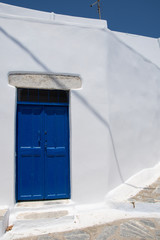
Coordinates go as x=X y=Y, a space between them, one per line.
x=82 y=99
x=18 y=43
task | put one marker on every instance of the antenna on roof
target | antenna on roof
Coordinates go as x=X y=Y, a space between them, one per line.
x=98 y=7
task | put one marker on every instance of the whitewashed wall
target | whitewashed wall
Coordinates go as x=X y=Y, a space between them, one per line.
x=147 y=47
x=61 y=48
x=134 y=100
x=114 y=118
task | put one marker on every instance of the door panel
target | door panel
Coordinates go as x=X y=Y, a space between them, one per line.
x=30 y=153
x=43 y=152
x=56 y=153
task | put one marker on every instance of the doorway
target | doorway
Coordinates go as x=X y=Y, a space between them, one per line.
x=43 y=169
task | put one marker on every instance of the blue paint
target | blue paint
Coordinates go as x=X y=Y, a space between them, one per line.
x=37 y=103
x=43 y=152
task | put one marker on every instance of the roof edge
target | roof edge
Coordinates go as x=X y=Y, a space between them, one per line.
x=20 y=12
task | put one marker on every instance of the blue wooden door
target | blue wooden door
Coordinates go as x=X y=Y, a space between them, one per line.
x=43 y=152
x=56 y=152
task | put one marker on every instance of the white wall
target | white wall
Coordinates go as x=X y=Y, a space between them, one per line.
x=147 y=47
x=53 y=47
x=114 y=118
x=134 y=111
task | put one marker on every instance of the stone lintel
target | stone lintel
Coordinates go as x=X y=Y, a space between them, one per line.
x=45 y=81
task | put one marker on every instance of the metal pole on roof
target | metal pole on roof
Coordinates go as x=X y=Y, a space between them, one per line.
x=98 y=7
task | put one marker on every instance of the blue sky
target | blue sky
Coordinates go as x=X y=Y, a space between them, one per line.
x=140 y=17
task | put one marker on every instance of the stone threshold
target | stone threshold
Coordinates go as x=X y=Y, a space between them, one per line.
x=30 y=204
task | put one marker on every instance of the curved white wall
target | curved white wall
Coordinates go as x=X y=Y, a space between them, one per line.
x=134 y=111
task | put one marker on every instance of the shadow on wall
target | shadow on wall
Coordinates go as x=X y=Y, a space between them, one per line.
x=77 y=95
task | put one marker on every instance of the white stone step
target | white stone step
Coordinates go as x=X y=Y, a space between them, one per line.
x=40 y=215
x=43 y=205
x=4 y=219
x=36 y=215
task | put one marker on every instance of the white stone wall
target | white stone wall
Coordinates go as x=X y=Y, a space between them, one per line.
x=134 y=112
x=114 y=116
x=32 y=46
x=147 y=47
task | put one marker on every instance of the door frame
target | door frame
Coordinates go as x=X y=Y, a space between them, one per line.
x=16 y=155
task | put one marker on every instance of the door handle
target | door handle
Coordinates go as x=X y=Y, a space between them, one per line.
x=45 y=145
x=39 y=138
